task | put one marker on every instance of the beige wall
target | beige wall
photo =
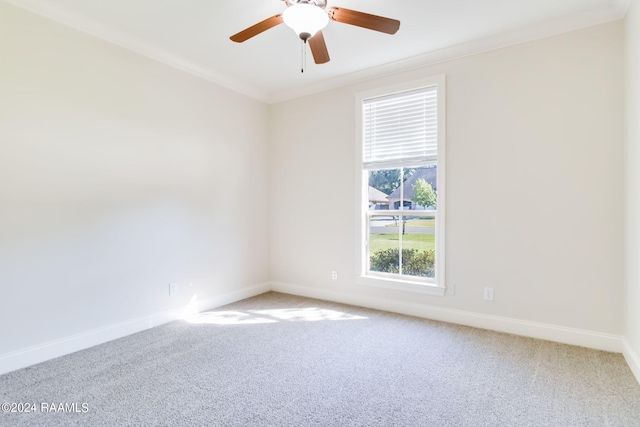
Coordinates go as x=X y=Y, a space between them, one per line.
x=118 y=175
x=632 y=270
x=535 y=183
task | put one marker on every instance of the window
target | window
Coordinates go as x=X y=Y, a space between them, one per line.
x=401 y=176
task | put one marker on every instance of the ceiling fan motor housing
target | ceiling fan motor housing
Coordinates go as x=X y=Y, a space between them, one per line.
x=320 y=3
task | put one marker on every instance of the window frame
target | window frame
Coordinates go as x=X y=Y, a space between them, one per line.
x=436 y=286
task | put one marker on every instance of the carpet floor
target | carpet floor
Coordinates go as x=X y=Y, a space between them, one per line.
x=281 y=360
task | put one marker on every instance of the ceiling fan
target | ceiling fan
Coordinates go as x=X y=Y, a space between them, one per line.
x=307 y=18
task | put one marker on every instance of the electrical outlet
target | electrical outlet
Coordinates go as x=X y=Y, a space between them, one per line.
x=488 y=294
x=451 y=289
x=173 y=289
x=334 y=275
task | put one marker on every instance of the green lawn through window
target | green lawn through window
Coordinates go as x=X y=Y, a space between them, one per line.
x=378 y=242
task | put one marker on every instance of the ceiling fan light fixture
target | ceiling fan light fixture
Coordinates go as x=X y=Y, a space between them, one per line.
x=305 y=19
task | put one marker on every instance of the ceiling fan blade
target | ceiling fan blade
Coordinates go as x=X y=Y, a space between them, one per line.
x=319 y=48
x=254 y=30
x=364 y=20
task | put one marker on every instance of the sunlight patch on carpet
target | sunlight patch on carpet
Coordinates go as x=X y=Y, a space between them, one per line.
x=310 y=314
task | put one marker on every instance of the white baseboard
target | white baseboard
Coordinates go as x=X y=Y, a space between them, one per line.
x=52 y=349
x=632 y=358
x=579 y=337
x=237 y=295
x=49 y=350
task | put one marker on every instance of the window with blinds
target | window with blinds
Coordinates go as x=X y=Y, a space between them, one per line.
x=402 y=154
x=401 y=127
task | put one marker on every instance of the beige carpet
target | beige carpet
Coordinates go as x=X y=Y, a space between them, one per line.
x=279 y=360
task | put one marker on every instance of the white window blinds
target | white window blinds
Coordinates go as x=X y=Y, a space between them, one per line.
x=401 y=127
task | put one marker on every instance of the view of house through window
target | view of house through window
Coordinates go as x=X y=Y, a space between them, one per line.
x=403 y=180
x=403 y=243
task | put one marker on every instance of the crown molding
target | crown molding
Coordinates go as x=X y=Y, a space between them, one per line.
x=486 y=44
x=117 y=37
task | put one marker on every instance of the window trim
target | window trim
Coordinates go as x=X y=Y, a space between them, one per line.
x=438 y=287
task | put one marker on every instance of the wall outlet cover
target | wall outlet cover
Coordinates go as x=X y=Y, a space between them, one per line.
x=173 y=289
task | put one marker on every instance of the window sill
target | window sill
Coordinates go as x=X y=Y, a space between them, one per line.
x=402 y=285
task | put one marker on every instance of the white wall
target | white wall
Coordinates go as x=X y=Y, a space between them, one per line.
x=535 y=185
x=632 y=266
x=118 y=175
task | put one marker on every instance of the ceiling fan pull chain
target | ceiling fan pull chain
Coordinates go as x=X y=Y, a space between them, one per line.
x=303 y=55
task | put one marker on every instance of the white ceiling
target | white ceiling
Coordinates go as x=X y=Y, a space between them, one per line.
x=194 y=35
